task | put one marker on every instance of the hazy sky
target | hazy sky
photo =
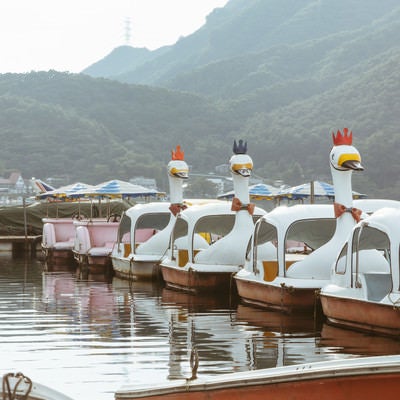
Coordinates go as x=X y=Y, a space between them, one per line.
x=69 y=35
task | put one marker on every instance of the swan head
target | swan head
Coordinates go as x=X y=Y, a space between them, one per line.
x=240 y=163
x=177 y=167
x=344 y=156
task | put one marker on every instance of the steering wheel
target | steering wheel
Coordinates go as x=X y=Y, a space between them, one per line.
x=79 y=216
x=114 y=218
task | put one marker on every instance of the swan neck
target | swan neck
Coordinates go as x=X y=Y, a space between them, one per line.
x=241 y=188
x=343 y=187
x=175 y=190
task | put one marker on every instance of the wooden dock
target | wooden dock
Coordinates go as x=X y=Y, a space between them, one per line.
x=18 y=245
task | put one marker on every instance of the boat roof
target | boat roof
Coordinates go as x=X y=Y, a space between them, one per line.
x=212 y=217
x=386 y=220
x=163 y=206
x=371 y=205
x=313 y=224
x=194 y=213
x=147 y=208
x=284 y=216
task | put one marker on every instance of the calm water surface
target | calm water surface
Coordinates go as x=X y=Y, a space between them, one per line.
x=87 y=337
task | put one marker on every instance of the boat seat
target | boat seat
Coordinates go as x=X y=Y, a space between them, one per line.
x=100 y=251
x=127 y=249
x=67 y=245
x=49 y=235
x=378 y=285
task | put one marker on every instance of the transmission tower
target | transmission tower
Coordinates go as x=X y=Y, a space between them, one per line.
x=127 y=31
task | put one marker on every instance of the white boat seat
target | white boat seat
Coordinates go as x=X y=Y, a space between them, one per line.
x=67 y=245
x=100 y=251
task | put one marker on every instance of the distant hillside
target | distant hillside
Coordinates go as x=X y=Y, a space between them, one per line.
x=97 y=129
x=122 y=60
x=247 y=27
x=281 y=75
x=312 y=66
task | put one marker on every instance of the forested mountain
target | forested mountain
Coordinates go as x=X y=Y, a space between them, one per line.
x=246 y=28
x=97 y=129
x=280 y=74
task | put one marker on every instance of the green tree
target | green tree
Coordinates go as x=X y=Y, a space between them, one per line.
x=200 y=187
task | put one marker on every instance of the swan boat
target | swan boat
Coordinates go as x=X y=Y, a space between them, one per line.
x=208 y=242
x=364 y=378
x=364 y=294
x=282 y=237
x=196 y=229
x=291 y=284
x=144 y=230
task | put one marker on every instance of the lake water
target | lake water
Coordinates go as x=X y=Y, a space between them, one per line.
x=87 y=337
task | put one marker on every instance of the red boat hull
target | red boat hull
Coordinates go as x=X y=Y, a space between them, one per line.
x=368 y=387
x=281 y=298
x=362 y=315
x=349 y=379
x=197 y=281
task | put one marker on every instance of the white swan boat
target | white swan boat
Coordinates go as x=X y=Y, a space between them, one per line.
x=208 y=243
x=290 y=284
x=282 y=237
x=364 y=293
x=145 y=229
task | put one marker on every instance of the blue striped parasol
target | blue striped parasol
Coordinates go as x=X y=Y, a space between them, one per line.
x=320 y=189
x=260 y=191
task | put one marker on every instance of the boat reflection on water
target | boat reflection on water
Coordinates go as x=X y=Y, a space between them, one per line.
x=199 y=302
x=279 y=339
x=143 y=332
x=84 y=273
x=203 y=336
x=278 y=322
x=89 y=303
x=140 y=311
x=229 y=337
x=341 y=340
x=141 y=289
x=60 y=267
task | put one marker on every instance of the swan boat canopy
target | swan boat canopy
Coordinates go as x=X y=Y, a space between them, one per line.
x=290 y=283
x=137 y=225
x=145 y=229
x=369 y=206
x=281 y=237
x=366 y=378
x=197 y=229
x=209 y=242
x=364 y=294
